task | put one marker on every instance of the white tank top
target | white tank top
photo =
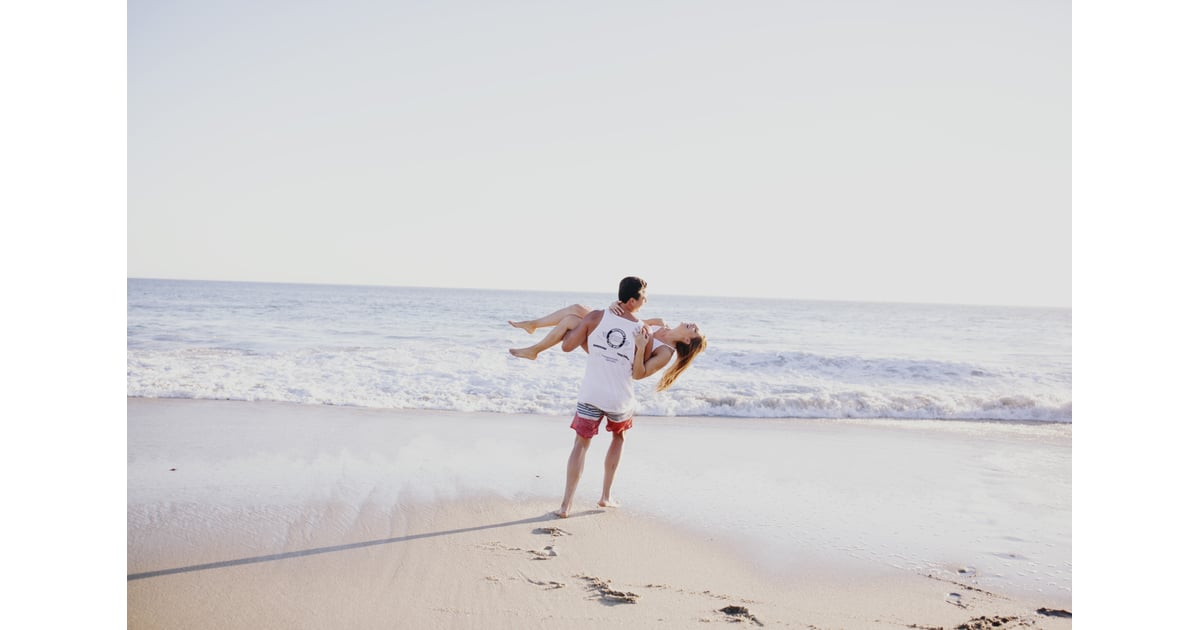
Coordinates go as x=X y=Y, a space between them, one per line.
x=608 y=378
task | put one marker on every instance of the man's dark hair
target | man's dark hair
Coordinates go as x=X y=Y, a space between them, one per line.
x=631 y=287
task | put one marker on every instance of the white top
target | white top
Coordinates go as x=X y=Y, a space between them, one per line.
x=608 y=378
x=654 y=343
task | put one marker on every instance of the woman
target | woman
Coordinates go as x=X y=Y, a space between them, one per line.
x=685 y=340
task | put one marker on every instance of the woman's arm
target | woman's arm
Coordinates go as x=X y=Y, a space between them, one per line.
x=643 y=366
x=657 y=361
x=616 y=309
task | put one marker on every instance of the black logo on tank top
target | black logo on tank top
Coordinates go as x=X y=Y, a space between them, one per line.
x=615 y=338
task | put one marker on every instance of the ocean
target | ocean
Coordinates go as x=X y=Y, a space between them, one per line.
x=446 y=349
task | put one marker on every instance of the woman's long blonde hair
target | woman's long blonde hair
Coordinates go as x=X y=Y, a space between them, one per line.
x=685 y=353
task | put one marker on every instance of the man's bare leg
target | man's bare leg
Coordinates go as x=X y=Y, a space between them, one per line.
x=611 y=461
x=552 y=319
x=574 y=472
x=551 y=339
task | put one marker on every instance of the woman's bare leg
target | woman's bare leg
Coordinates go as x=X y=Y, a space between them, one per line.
x=552 y=319
x=552 y=338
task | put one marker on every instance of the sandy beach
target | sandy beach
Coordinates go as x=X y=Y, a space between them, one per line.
x=270 y=515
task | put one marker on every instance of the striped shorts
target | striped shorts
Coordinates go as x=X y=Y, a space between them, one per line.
x=587 y=421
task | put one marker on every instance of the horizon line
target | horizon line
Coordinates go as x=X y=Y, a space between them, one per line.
x=687 y=295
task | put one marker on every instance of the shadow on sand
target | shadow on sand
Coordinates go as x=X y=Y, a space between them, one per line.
x=549 y=516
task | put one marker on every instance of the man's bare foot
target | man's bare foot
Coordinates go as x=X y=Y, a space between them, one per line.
x=609 y=503
x=526 y=326
x=523 y=353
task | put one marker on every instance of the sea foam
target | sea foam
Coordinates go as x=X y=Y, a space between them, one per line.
x=401 y=348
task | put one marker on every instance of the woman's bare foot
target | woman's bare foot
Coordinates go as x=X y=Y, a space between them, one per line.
x=526 y=326
x=523 y=353
x=562 y=512
x=609 y=503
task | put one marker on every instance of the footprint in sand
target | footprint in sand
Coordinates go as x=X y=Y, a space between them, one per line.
x=547 y=584
x=607 y=594
x=991 y=623
x=546 y=553
x=956 y=599
x=740 y=612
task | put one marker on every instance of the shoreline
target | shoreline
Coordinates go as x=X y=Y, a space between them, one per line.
x=1022 y=421
x=295 y=514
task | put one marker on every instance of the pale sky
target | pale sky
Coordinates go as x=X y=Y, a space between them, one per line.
x=915 y=151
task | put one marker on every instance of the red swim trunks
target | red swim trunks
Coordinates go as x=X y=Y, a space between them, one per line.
x=587 y=421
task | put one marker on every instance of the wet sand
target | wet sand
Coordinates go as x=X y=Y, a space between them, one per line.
x=279 y=516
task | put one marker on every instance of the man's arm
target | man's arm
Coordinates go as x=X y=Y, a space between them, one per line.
x=579 y=334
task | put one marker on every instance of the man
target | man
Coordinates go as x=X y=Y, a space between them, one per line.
x=618 y=353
